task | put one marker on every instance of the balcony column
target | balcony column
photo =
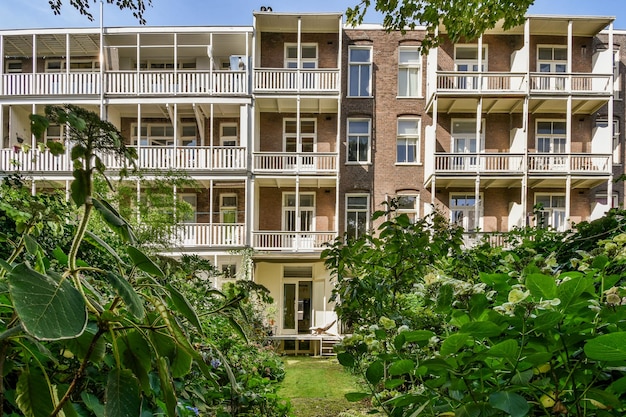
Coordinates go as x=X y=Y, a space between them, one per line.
x=479 y=131
x=8 y=133
x=243 y=125
x=138 y=190
x=138 y=58
x=176 y=136
x=33 y=188
x=211 y=134
x=477 y=204
x=299 y=55
x=67 y=190
x=140 y=160
x=524 y=199
x=1 y=78
x=480 y=63
x=101 y=60
x=33 y=139
x=570 y=37
x=211 y=63
x=568 y=133
x=433 y=190
x=211 y=190
x=176 y=83
x=568 y=201
x=609 y=191
x=34 y=71
x=66 y=85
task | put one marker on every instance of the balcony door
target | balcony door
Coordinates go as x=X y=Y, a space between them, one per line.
x=551 y=139
x=550 y=211
x=190 y=218
x=463 y=211
x=466 y=60
x=228 y=218
x=299 y=220
x=464 y=141
x=303 y=144
x=552 y=59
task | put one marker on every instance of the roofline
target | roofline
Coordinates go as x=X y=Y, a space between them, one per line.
x=569 y=17
x=296 y=14
x=119 y=29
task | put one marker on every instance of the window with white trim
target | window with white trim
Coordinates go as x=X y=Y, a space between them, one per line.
x=357 y=215
x=359 y=138
x=228 y=134
x=464 y=141
x=162 y=134
x=551 y=138
x=229 y=271
x=463 y=210
x=408 y=141
x=359 y=71
x=551 y=59
x=76 y=65
x=602 y=198
x=466 y=60
x=409 y=71
x=13 y=66
x=408 y=204
x=308 y=55
x=306 y=212
x=617 y=146
x=55 y=133
x=228 y=208
x=308 y=135
x=550 y=211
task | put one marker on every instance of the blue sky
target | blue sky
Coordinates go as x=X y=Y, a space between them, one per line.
x=19 y=14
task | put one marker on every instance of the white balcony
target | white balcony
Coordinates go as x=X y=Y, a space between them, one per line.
x=293 y=163
x=279 y=80
x=198 y=158
x=16 y=160
x=170 y=83
x=211 y=235
x=291 y=241
x=51 y=84
x=481 y=83
x=570 y=83
x=484 y=162
x=572 y=163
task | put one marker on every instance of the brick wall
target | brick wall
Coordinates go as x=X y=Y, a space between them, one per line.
x=273 y=48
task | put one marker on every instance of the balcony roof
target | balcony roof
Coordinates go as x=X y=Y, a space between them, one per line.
x=288 y=22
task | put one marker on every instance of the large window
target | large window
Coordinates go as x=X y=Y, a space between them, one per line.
x=466 y=60
x=409 y=72
x=357 y=215
x=408 y=141
x=463 y=211
x=305 y=212
x=228 y=134
x=551 y=59
x=359 y=140
x=228 y=208
x=360 y=71
x=551 y=139
x=308 y=55
x=408 y=204
x=162 y=134
x=464 y=141
x=550 y=209
x=308 y=136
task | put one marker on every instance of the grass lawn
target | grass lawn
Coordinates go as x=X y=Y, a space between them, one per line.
x=316 y=387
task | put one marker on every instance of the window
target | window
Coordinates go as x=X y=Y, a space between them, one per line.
x=409 y=72
x=408 y=141
x=466 y=60
x=13 y=66
x=360 y=71
x=306 y=212
x=228 y=208
x=189 y=135
x=408 y=204
x=463 y=211
x=601 y=198
x=192 y=200
x=229 y=270
x=550 y=210
x=162 y=134
x=308 y=55
x=617 y=148
x=464 y=141
x=358 y=140
x=551 y=59
x=357 y=215
x=551 y=138
x=308 y=135
x=76 y=65
x=228 y=134
x=55 y=133
x=55 y=65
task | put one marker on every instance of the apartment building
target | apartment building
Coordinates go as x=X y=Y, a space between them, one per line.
x=297 y=128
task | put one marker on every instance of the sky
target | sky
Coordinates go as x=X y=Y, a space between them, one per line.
x=27 y=14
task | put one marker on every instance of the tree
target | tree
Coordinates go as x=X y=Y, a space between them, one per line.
x=466 y=19
x=138 y=7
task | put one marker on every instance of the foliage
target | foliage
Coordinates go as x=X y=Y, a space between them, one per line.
x=138 y=7
x=466 y=19
x=524 y=336
x=102 y=328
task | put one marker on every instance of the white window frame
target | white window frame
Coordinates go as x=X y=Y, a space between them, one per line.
x=357 y=135
x=228 y=271
x=358 y=65
x=413 y=213
x=408 y=67
x=617 y=80
x=357 y=211
x=543 y=160
x=553 y=211
x=552 y=62
x=229 y=140
x=305 y=63
x=466 y=211
x=228 y=209
x=286 y=209
x=9 y=70
x=617 y=144
x=406 y=137
x=294 y=135
x=467 y=162
x=602 y=198
x=469 y=82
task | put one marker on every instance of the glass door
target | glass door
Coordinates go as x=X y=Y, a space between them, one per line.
x=297 y=311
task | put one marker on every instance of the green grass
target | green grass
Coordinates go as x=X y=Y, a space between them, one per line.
x=316 y=387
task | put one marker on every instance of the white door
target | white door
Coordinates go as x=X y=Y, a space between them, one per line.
x=297 y=311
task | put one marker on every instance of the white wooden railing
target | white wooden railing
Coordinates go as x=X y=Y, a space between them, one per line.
x=213 y=235
x=291 y=162
x=484 y=162
x=15 y=159
x=553 y=162
x=287 y=80
x=51 y=84
x=292 y=241
x=503 y=82
x=170 y=83
x=190 y=158
x=582 y=83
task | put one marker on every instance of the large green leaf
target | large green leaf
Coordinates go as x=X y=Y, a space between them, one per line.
x=96 y=241
x=141 y=261
x=357 y=396
x=33 y=395
x=607 y=347
x=123 y=397
x=167 y=387
x=481 y=329
x=509 y=402
x=137 y=355
x=80 y=186
x=184 y=307
x=50 y=308
x=401 y=367
x=570 y=291
x=507 y=349
x=80 y=345
x=453 y=343
x=346 y=359
x=115 y=221
x=541 y=287
x=133 y=301
x=375 y=372
x=92 y=403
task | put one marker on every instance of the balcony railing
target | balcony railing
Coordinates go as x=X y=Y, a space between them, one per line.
x=212 y=235
x=291 y=241
x=291 y=80
x=291 y=162
x=51 y=84
x=149 y=157
x=484 y=162
x=514 y=163
x=575 y=83
x=170 y=83
x=498 y=82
